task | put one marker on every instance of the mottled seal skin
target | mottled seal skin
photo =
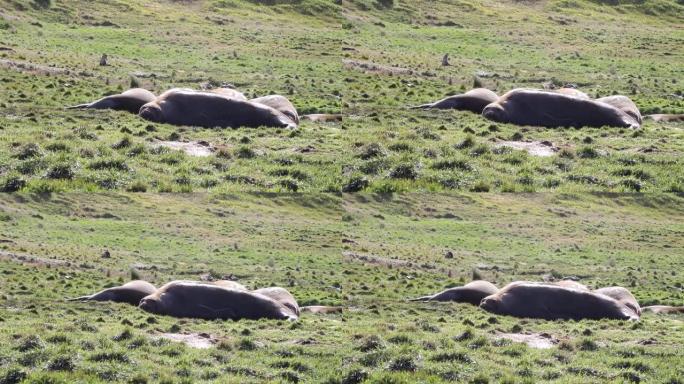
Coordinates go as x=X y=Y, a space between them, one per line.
x=663 y=309
x=280 y=104
x=551 y=109
x=474 y=101
x=282 y=296
x=206 y=109
x=569 y=91
x=624 y=104
x=230 y=284
x=131 y=293
x=229 y=93
x=623 y=296
x=665 y=118
x=571 y=284
x=210 y=301
x=131 y=100
x=553 y=302
x=472 y=293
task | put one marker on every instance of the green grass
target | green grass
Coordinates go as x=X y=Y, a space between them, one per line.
x=631 y=49
x=158 y=45
x=311 y=245
x=294 y=48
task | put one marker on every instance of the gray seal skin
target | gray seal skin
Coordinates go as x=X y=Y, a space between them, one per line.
x=131 y=293
x=553 y=302
x=663 y=309
x=474 y=101
x=229 y=93
x=130 y=100
x=622 y=296
x=572 y=92
x=472 y=293
x=282 y=296
x=209 y=301
x=551 y=109
x=280 y=104
x=206 y=109
x=624 y=104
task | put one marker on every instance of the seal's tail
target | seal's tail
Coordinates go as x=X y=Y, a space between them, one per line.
x=424 y=298
x=82 y=298
x=422 y=106
x=80 y=106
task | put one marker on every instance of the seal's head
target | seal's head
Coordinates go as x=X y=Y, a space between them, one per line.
x=151 y=112
x=149 y=304
x=494 y=112
x=490 y=304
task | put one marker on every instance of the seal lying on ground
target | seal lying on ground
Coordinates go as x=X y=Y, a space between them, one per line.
x=551 y=302
x=322 y=309
x=474 y=100
x=550 y=109
x=131 y=293
x=210 y=301
x=229 y=93
x=130 y=101
x=204 y=109
x=280 y=104
x=323 y=117
x=664 y=309
x=472 y=293
x=622 y=296
x=625 y=104
x=282 y=296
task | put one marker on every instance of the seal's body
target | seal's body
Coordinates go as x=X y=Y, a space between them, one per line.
x=551 y=109
x=552 y=302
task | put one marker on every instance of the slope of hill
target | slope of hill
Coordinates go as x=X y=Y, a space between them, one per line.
x=394 y=56
x=366 y=253
x=50 y=59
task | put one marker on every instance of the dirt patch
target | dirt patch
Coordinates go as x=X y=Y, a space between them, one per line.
x=191 y=148
x=387 y=262
x=534 y=148
x=33 y=260
x=369 y=67
x=39 y=68
x=533 y=340
x=193 y=340
x=322 y=309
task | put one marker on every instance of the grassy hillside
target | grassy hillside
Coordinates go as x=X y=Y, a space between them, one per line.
x=50 y=59
x=394 y=53
x=367 y=253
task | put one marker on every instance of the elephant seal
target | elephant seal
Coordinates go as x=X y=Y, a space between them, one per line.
x=665 y=118
x=552 y=302
x=131 y=293
x=622 y=296
x=209 y=301
x=570 y=91
x=280 y=104
x=474 y=101
x=229 y=93
x=472 y=293
x=282 y=296
x=550 y=109
x=130 y=101
x=625 y=104
x=204 y=109
x=663 y=309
